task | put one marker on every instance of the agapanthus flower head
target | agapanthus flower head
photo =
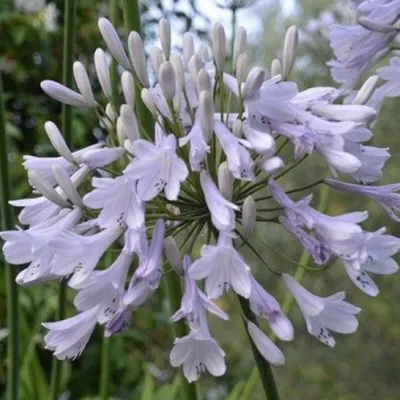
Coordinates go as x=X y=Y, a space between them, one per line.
x=102 y=216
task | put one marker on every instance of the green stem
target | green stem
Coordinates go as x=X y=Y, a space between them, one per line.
x=179 y=329
x=10 y=272
x=264 y=369
x=287 y=303
x=131 y=11
x=66 y=122
x=113 y=10
x=105 y=368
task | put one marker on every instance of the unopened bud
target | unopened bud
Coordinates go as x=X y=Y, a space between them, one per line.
x=114 y=44
x=138 y=60
x=83 y=83
x=276 y=67
x=66 y=185
x=225 y=181
x=179 y=69
x=165 y=37
x=128 y=88
x=289 y=50
x=241 y=68
x=238 y=128
x=121 y=132
x=271 y=166
x=204 y=53
x=366 y=90
x=374 y=26
x=172 y=254
x=253 y=82
x=203 y=81
x=249 y=213
x=156 y=59
x=63 y=94
x=148 y=100
x=218 y=42
x=130 y=123
x=44 y=187
x=188 y=47
x=167 y=80
x=58 y=142
x=110 y=117
x=195 y=65
x=239 y=44
x=206 y=109
x=338 y=112
x=103 y=72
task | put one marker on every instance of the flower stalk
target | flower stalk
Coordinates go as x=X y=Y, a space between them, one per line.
x=10 y=272
x=66 y=122
x=264 y=369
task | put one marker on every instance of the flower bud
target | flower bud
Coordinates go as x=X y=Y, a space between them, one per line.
x=238 y=128
x=375 y=26
x=276 y=67
x=188 y=47
x=121 y=132
x=225 y=181
x=103 y=72
x=114 y=44
x=172 y=254
x=203 y=81
x=338 y=112
x=156 y=59
x=138 y=60
x=218 y=42
x=265 y=346
x=241 y=68
x=289 y=51
x=239 y=44
x=271 y=166
x=179 y=69
x=195 y=65
x=43 y=187
x=204 y=53
x=164 y=31
x=253 y=82
x=67 y=186
x=366 y=90
x=148 y=100
x=206 y=110
x=63 y=94
x=167 y=80
x=58 y=141
x=249 y=216
x=128 y=88
x=110 y=117
x=83 y=83
x=130 y=124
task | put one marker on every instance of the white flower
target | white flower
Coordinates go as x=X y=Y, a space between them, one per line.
x=378 y=250
x=31 y=246
x=324 y=313
x=198 y=352
x=265 y=306
x=118 y=202
x=79 y=255
x=265 y=346
x=156 y=167
x=239 y=160
x=222 y=266
x=222 y=214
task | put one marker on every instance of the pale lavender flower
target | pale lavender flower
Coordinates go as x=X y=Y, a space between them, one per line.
x=222 y=266
x=323 y=314
x=385 y=196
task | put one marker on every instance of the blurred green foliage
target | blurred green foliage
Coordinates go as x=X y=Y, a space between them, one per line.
x=362 y=366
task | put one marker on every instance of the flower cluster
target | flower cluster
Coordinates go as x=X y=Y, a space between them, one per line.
x=193 y=178
x=359 y=47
